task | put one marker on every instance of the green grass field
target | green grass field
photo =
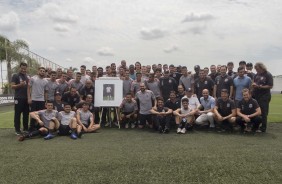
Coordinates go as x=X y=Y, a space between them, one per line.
x=141 y=156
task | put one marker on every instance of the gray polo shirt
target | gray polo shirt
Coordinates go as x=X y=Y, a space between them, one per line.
x=154 y=87
x=46 y=116
x=65 y=118
x=128 y=106
x=51 y=87
x=145 y=101
x=187 y=81
x=38 y=87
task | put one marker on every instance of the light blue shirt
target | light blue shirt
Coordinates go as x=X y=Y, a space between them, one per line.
x=208 y=103
x=241 y=83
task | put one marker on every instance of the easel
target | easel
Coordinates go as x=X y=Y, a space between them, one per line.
x=109 y=117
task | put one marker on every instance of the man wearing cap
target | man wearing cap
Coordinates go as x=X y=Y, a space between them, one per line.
x=194 y=102
x=263 y=82
x=249 y=72
x=242 y=64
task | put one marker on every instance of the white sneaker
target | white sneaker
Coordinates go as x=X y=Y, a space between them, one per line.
x=126 y=125
x=133 y=125
x=107 y=124
x=183 y=131
x=178 y=130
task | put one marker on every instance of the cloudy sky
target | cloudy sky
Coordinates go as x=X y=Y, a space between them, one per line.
x=182 y=32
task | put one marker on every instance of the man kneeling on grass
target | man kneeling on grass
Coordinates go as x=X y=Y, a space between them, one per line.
x=46 y=122
x=129 y=111
x=225 y=112
x=86 y=120
x=249 y=113
x=162 y=118
x=185 y=116
x=68 y=123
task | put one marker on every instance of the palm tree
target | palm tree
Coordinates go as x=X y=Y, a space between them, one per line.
x=11 y=52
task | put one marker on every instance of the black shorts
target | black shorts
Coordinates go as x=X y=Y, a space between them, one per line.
x=64 y=130
x=145 y=117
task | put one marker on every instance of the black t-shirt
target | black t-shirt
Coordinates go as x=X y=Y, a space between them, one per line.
x=173 y=105
x=262 y=79
x=167 y=85
x=176 y=76
x=72 y=100
x=248 y=107
x=22 y=91
x=213 y=75
x=225 y=107
x=58 y=106
x=87 y=91
x=199 y=86
x=223 y=83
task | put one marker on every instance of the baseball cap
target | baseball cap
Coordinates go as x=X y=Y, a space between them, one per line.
x=196 y=67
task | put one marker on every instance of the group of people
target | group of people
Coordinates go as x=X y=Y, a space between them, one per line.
x=157 y=96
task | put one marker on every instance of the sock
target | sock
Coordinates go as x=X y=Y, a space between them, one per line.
x=32 y=134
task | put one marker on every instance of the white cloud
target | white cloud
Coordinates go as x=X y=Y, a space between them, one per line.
x=105 y=51
x=171 y=49
x=88 y=59
x=51 y=48
x=57 y=13
x=197 y=18
x=152 y=33
x=69 y=60
x=9 y=21
x=61 y=28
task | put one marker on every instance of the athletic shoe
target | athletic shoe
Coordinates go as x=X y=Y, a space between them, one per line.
x=21 y=138
x=107 y=124
x=183 y=131
x=126 y=125
x=18 y=133
x=160 y=129
x=73 y=136
x=116 y=124
x=166 y=130
x=133 y=125
x=49 y=136
x=178 y=130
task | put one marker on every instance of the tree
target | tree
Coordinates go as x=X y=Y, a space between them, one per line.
x=11 y=52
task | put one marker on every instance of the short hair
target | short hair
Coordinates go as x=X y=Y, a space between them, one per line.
x=158 y=70
x=78 y=73
x=172 y=92
x=23 y=64
x=224 y=91
x=83 y=66
x=85 y=103
x=160 y=98
x=41 y=68
x=183 y=67
x=128 y=94
x=49 y=101
x=66 y=104
x=242 y=62
x=171 y=65
x=138 y=73
x=53 y=72
x=245 y=90
x=184 y=100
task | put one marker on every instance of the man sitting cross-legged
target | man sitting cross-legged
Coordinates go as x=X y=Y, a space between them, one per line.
x=162 y=118
x=86 y=120
x=68 y=123
x=225 y=111
x=46 y=122
x=185 y=116
x=129 y=111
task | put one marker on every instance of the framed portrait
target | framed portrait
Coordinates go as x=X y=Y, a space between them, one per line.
x=108 y=92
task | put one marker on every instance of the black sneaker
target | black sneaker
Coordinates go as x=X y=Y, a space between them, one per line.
x=79 y=135
x=166 y=131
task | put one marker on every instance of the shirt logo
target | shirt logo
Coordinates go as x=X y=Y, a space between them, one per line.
x=228 y=104
x=169 y=81
x=250 y=106
x=261 y=78
x=206 y=82
x=226 y=80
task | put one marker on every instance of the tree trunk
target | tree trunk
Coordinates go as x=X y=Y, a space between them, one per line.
x=9 y=74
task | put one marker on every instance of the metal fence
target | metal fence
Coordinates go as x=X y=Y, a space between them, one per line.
x=41 y=60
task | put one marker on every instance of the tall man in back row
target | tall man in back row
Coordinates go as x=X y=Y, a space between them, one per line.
x=263 y=82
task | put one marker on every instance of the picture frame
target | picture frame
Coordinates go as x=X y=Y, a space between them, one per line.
x=108 y=92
